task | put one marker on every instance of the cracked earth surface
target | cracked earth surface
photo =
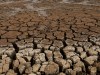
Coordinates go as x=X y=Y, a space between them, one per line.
x=53 y=37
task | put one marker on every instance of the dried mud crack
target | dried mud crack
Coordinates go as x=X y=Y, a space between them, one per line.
x=49 y=38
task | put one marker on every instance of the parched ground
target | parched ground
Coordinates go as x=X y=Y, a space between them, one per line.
x=49 y=37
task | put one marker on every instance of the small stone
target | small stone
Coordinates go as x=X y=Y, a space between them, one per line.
x=36 y=67
x=25 y=52
x=92 y=70
x=45 y=46
x=4 y=56
x=59 y=35
x=28 y=70
x=60 y=61
x=78 y=70
x=42 y=57
x=57 y=54
x=6 y=60
x=94 y=47
x=22 y=60
x=18 y=55
x=80 y=64
x=75 y=59
x=70 y=54
x=21 y=44
x=27 y=64
x=71 y=42
x=73 y=72
x=91 y=59
x=42 y=69
x=68 y=71
x=52 y=68
x=15 y=64
x=70 y=61
x=58 y=44
x=10 y=52
x=52 y=48
x=79 y=49
x=40 y=46
x=69 y=48
x=65 y=64
x=36 y=51
x=37 y=59
x=5 y=68
x=86 y=48
x=92 y=52
x=49 y=55
x=83 y=55
x=21 y=68
x=11 y=72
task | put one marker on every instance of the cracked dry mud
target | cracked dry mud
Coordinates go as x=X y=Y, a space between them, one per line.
x=49 y=38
